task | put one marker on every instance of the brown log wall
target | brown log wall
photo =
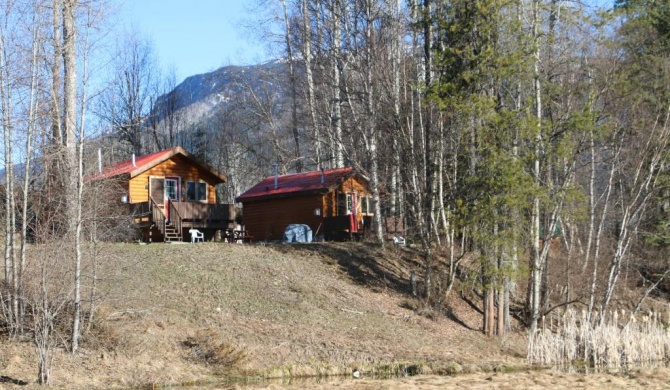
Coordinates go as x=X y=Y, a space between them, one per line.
x=267 y=219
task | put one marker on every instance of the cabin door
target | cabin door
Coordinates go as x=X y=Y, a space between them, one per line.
x=162 y=189
x=157 y=190
x=353 y=215
x=171 y=192
x=172 y=188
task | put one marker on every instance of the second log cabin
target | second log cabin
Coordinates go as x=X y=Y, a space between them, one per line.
x=334 y=203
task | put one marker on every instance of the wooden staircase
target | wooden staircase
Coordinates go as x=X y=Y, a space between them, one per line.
x=170 y=229
x=171 y=233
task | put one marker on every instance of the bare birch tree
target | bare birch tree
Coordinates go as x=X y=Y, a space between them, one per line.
x=337 y=145
x=309 y=79
x=6 y=105
x=293 y=85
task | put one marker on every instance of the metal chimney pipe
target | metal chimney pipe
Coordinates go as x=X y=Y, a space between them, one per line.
x=323 y=177
x=276 y=167
x=99 y=160
x=133 y=160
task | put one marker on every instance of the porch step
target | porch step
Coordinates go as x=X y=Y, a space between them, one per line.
x=171 y=234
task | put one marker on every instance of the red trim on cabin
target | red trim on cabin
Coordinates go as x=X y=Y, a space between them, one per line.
x=148 y=161
x=308 y=182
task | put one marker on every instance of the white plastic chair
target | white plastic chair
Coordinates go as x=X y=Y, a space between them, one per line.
x=196 y=235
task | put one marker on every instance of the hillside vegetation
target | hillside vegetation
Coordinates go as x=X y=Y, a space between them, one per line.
x=168 y=314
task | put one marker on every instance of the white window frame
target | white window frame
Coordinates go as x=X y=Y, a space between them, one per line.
x=177 y=187
x=349 y=206
x=364 y=201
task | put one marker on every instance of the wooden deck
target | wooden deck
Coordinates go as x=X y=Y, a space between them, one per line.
x=339 y=228
x=200 y=215
x=182 y=217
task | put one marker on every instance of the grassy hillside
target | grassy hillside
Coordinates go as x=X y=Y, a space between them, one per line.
x=181 y=313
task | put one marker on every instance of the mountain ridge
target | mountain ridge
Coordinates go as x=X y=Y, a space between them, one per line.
x=200 y=96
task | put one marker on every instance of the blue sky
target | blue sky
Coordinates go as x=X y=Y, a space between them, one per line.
x=198 y=36
x=195 y=36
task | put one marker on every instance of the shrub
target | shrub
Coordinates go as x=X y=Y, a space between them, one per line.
x=207 y=346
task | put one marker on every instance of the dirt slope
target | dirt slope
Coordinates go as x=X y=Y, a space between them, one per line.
x=305 y=310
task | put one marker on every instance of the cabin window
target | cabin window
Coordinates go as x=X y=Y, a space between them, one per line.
x=341 y=203
x=346 y=203
x=196 y=191
x=364 y=205
x=171 y=189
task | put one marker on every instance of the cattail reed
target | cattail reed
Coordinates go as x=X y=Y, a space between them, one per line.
x=613 y=341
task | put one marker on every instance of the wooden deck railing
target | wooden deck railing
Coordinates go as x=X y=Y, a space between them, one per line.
x=203 y=212
x=157 y=216
x=175 y=216
x=184 y=215
x=140 y=210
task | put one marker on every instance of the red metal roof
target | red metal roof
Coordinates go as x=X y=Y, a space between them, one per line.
x=307 y=182
x=148 y=161
x=127 y=165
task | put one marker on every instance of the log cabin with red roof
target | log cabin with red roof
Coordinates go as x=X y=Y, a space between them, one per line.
x=335 y=203
x=171 y=192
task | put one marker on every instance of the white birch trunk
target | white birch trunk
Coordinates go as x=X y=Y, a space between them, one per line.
x=311 y=104
x=72 y=172
x=294 y=91
x=395 y=200
x=642 y=185
x=30 y=134
x=596 y=253
x=536 y=269
x=10 y=202
x=336 y=116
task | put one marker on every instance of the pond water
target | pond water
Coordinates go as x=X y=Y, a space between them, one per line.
x=257 y=382
x=587 y=368
x=547 y=379
x=632 y=379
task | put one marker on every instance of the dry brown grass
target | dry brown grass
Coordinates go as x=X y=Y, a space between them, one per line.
x=306 y=310
x=293 y=310
x=207 y=346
